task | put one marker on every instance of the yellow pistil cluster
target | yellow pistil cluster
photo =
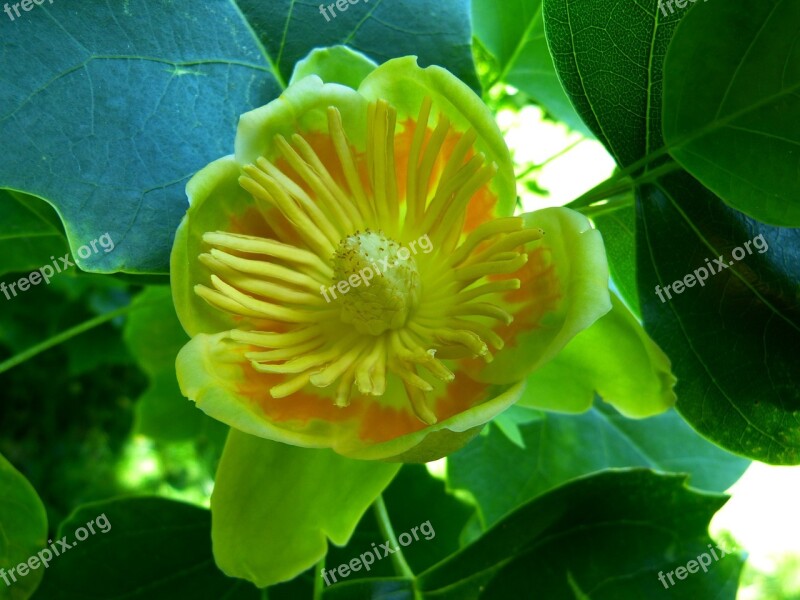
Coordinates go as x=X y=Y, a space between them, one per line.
x=411 y=317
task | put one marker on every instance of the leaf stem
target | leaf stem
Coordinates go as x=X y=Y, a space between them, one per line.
x=318 y=589
x=399 y=561
x=64 y=336
x=618 y=184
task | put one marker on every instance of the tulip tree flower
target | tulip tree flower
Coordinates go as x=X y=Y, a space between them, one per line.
x=354 y=277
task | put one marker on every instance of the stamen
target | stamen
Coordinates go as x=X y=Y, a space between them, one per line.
x=257 y=245
x=334 y=370
x=361 y=206
x=304 y=170
x=432 y=151
x=328 y=190
x=223 y=302
x=500 y=267
x=266 y=269
x=290 y=386
x=263 y=188
x=482 y=309
x=420 y=405
x=285 y=353
x=483 y=232
x=274 y=340
x=406 y=372
x=415 y=202
x=259 y=286
x=267 y=309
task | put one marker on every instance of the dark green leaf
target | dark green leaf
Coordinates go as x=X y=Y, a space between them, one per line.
x=732 y=104
x=603 y=537
x=30 y=233
x=733 y=341
x=437 y=32
x=108 y=110
x=155 y=548
x=609 y=55
x=23 y=533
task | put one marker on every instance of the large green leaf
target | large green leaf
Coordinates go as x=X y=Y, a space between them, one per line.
x=23 y=532
x=267 y=491
x=733 y=341
x=142 y=548
x=500 y=476
x=615 y=358
x=30 y=233
x=732 y=104
x=604 y=537
x=437 y=32
x=515 y=38
x=109 y=110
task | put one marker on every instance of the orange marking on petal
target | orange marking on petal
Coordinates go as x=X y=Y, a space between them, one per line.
x=383 y=423
x=480 y=209
x=300 y=407
x=461 y=394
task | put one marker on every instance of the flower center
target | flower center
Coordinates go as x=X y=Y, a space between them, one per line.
x=377 y=282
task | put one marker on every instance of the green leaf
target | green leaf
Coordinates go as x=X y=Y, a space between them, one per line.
x=607 y=536
x=437 y=32
x=113 y=107
x=30 y=232
x=154 y=336
x=733 y=341
x=609 y=55
x=23 y=532
x=267 y=491
x=515 y=38
x=746 y=316
x=732 y=104
x=562 y=447
x=615 y=358
x=144 y=548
